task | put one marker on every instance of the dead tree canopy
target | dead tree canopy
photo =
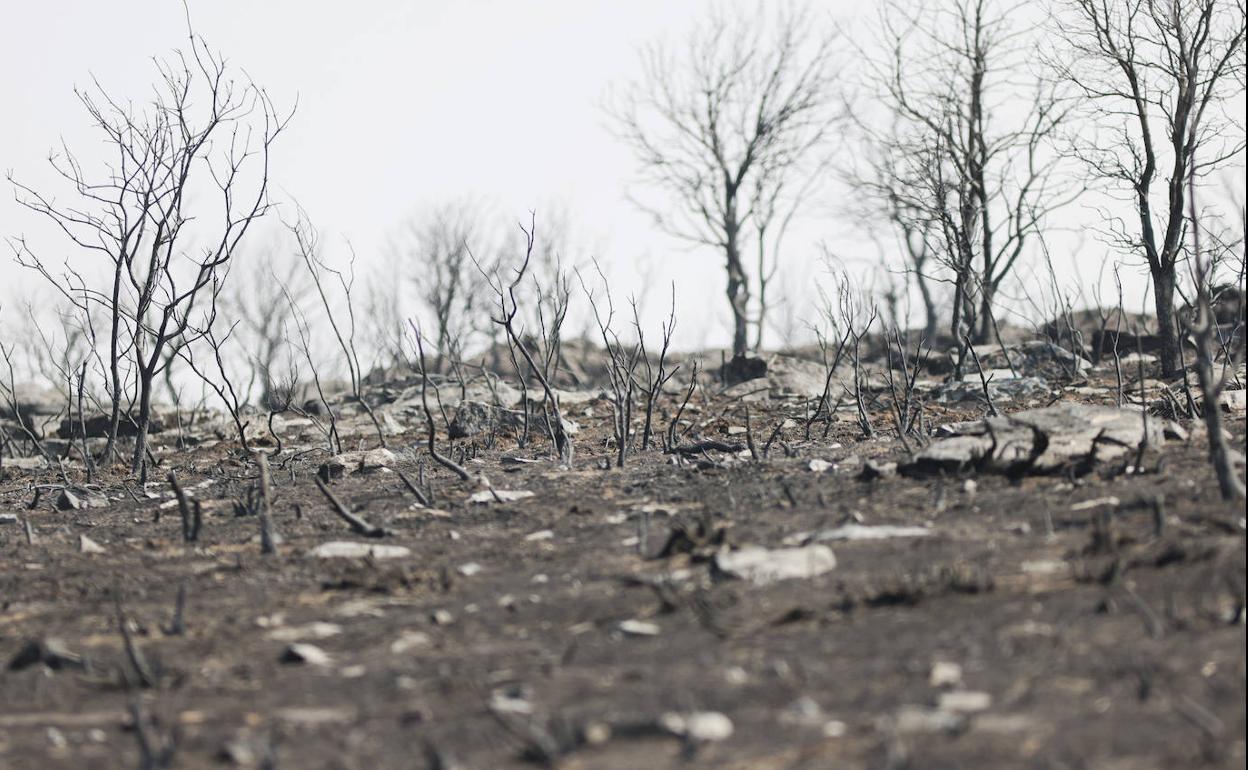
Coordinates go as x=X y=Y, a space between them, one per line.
x=959 y=149
x=730 y=126
x=433 y=250
x=189 y=174
x=1160 y=82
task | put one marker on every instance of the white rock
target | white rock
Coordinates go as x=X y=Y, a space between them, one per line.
x=698 y=726
x=917 y=719
x=819 y=466
x=945 y=674
x=858 y=532
x=964 y=701
x=315 y=630
x=763 y=566
x=469 y=569
x=345 y=549
x=87 y=545
x=639 y=628
x=499 y=495
x=408 y=641
x=306 y=653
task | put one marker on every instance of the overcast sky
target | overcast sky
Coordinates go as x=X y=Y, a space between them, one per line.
x=401 y=104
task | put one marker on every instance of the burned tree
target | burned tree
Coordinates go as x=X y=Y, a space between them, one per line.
x=969 y=170
x=732 y=130
x=433 y=252
x=1159 y=81
x=542 y=361
x=205 y=137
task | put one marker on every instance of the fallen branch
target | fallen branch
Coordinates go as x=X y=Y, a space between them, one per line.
x=358 y=525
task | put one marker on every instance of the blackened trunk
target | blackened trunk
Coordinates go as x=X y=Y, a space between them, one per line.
x=139 y=462
x=738 y=296
x=1167 y=327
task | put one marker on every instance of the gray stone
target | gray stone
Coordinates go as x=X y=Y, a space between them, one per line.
x=473 y=418
x=1001 y=388
x=1042 y=440
x=354 y=462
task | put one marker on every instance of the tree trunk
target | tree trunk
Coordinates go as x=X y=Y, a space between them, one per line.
x=1167 y=329
x=139 y=462
x=983 y=334
x=930 y=314
x=738 y=296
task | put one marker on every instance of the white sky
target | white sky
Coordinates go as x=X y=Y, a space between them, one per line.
x=401 y=104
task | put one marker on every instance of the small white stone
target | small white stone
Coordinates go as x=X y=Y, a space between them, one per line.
x=698 y=726
x=965 y=701
x=410 y=640
x=639 y=628
x=945 y=674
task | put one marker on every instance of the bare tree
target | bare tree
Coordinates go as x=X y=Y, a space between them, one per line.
x=1204 y=331
x=964 y=167
x=343 y=325
x=1159 y=78
x=731 y=125
x=254 y=301
x=207 y=128
x=543 y=360
x=433 y=249
x=884 y=195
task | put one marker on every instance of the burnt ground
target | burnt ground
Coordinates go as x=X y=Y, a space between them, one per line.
x=1102 y=635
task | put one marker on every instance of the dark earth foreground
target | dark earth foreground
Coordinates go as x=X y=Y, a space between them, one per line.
x=1044 y=621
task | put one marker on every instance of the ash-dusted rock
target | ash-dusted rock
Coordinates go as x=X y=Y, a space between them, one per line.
x=763 y=566
x=472 y=418
x=70 y=500
x=345 y=549
x=361 y=461
x=1039 y=440
x=1002 y=386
